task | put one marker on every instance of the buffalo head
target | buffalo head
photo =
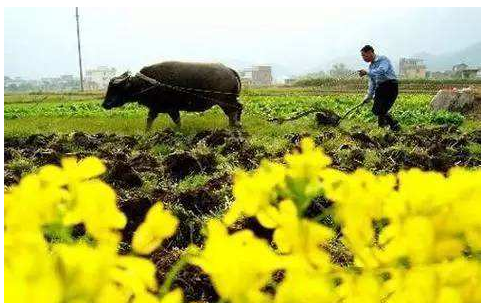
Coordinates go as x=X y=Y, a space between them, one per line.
x=117 y=92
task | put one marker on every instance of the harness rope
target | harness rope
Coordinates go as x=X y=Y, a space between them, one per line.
x=186 y=90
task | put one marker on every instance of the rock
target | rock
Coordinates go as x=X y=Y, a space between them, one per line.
x=465 y=101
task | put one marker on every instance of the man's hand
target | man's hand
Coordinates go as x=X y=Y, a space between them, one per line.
x=362 y=72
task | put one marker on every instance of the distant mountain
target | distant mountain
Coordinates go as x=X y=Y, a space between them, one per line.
x=469 y=55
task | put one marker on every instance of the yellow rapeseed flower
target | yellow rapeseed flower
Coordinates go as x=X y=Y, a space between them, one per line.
x=239 y=265
x=158 y=225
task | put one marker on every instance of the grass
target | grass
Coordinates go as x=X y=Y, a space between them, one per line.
x=192 y=182
x=66 y=114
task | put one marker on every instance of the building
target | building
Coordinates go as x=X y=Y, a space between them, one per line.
x=290 y=81
x=463 y=71
x=448 y=74
x=459 y=68
x=412 y=68
x=98 y=79
x=259 y=75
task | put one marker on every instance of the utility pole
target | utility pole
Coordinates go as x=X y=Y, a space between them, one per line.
x=78 y=47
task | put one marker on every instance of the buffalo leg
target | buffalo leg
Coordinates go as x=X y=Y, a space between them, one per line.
x=151 y=116
x=176 y=117
x=234 y=114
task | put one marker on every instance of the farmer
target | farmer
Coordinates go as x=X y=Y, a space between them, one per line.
x=382 y=88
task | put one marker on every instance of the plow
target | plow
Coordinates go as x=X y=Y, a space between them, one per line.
x=323 y=116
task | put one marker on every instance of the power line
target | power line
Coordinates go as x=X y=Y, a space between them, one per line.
x=78 y=47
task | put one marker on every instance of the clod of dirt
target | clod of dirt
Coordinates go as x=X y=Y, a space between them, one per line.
x=199 y=201
x=295 y=138
x=9 y=177
x=39 y=140
x=387 y=140
x=318 y=206
x=47 y=156
x=348 y=157
x=474 y=136
x=365 y=140
x=325 y=136
x=135 y=207
x=195 y=284
x=327 y=117
x=122 y=174
x=233 y=145
x=180 y=165
x=14 y=142
x=252 y=224
x=164 y=259
x=212 y=138
x=189 y=230
x=144 y=162
x=217 y=138
x=219 y=182
x=85 y=141
x=128 y=141
x=248 y=158
x=7 y=154
x=166 y=136
x=207 y=161
x=356 y=157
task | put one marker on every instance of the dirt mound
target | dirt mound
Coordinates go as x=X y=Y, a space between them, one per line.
x=181 y=164
x=135 y=206
x=233 y=145
x=252 y=224
x=212 y=138
x=85 y=141
x=219 y=137
x=199 y=201
x=195 y=284
x=9 y=177
x=167 y=136
x=123 y=175
x=364 y=140
x=47 y=156
x=7 y=154
x=327 y=117
x=326 y=135
x=143 y=162
x=39 y=140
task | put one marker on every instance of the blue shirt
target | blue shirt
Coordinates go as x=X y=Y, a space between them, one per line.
x=380 y=70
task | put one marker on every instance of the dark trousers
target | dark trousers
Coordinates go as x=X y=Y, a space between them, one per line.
x=385 y=95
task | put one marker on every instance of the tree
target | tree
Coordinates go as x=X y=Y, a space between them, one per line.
x=339 y=70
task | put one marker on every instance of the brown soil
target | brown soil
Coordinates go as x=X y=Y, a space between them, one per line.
x=142 y=176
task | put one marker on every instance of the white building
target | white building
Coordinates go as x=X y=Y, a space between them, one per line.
x=412 y=68
x=98 y=79
x=259 y=75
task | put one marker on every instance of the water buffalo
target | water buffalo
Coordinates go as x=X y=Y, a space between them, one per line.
x=170 y=87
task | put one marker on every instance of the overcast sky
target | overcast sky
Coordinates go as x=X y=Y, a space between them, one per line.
x=42 y=41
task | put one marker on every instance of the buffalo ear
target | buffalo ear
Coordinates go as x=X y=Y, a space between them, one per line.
x=121 y=78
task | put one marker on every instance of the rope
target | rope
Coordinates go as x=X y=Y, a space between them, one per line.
x=187 y=90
